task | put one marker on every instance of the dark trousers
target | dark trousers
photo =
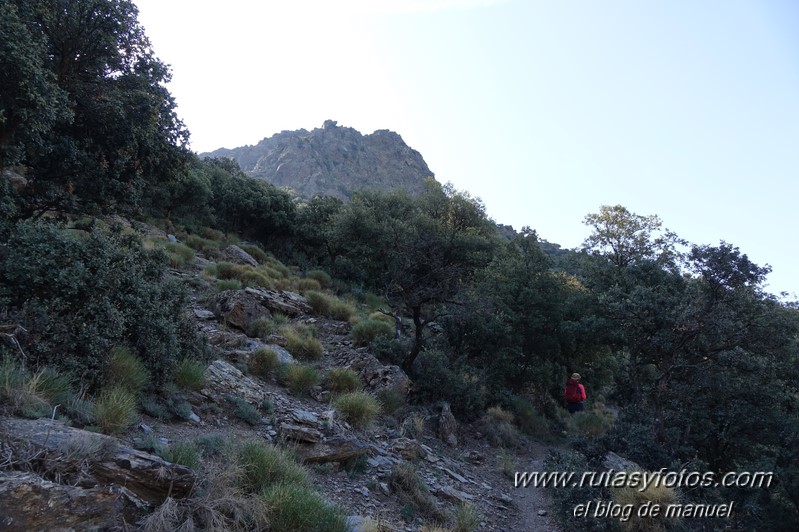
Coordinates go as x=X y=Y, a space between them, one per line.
x=575 y=407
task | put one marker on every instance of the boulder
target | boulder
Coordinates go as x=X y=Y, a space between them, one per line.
x=233 y=254
x=333 y=449
x=300 y=433
x=29 y=502
x=289 y=303
x=238 y=308
x=17 y=182
x=146 y=476
x=223 y=379
x=447 y=426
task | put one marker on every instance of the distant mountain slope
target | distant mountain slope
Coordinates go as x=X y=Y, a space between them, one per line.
x=332 y=161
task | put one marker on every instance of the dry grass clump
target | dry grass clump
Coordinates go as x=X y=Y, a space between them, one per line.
x=218 y=504
x=261 y=328
x=359 y=409
x=301 y=343
x=126 y=370
x=190 y=374
x=465 y=518
x=263 y=362
x=320 y=276
x=591 y=423
x=295 y=508
x=498 y=426
x=343 y=380
x=115 y=410
x=364 y=332
x=656 y=494
x=299 y=378
x=262 y=465
x=329 y=305
x=412 y=491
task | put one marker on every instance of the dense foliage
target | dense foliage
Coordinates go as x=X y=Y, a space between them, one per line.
x=699 y=363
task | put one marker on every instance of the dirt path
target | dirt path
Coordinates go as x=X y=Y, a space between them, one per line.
x=533 y=503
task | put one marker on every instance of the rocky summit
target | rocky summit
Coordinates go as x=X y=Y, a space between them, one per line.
x=333 y=161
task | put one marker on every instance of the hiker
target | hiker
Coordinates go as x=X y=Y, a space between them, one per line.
x=574 y=394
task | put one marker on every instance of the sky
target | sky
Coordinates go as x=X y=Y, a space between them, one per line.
x=687 y=109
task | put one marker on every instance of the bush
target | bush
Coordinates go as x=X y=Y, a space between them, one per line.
x=412 y=491
x=306 y=285
x=591 y=423
x=263 y=362
x=184 y=453
x=114 y=410
x=261 y=328
x=389 y=350
x=390 y=400
x=245 y=411
x=262 y=465
x=295 y=508
x=199 y=243
x=255 y=252
x=330 y=306
x=178 y=254
x=320 y=277
x=228 y=284
x=301 y=343
x=343 y=380
x=366 y=331
x=440 y=379
x=300 y=377
x=127 y=371
x=466 y=518
x=52 y=282
x=357 y=408
x=190 y=375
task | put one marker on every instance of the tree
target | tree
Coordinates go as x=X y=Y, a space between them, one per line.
x=95 y=124
x=625 y=238
x=417 y=252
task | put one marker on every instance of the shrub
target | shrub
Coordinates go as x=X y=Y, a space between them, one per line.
x=261 y=328
x=262 y=465
x=51 y=281
x=320 y=277
x=199 y=243
x=389 y=350
x=255 y=252
x=343 y=380
x=529 y=420
x=306 y=285
x=294 y=508
x=212 y=234
x=654 y=493
x=251 y=277
x=390 y=400
x=497 y=414
x=466 y=518
x=301 y=343
x=178 y=254
x=228 y=284
x=300 y=377
x=263 y=362
x=507 y=463
x=228 y=270
x=126 y=370
x=319 y=302
x=330 y=306
x=210 y=445
x=244 y=410
x=114 y=410
x=184 y=453
x=591 y=423
x=357 y=408
x=412 y=492
x=190 y=374
x=366 y=331
x=440 y=379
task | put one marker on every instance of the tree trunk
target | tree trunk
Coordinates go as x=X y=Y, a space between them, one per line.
x=416 y=348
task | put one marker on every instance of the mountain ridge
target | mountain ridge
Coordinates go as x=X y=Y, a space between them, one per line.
x=332 y=161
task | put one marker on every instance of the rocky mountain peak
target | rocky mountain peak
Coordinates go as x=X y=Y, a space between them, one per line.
x=333 y=161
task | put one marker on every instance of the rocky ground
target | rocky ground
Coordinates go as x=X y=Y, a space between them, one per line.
x=351 y=467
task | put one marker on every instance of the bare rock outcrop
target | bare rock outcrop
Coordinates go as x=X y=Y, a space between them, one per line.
x=148 y=477
x=333 y=161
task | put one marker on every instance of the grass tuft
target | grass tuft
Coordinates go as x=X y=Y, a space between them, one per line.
x=359 y=409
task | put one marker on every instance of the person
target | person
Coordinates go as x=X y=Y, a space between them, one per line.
x=574 y=394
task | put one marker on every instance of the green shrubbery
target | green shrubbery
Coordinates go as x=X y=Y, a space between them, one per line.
x=301 y=343
x=80 y=297
x=357 y=408
x=263 y=362
x=366 y=331
x=330 y=306
x=343 y=380
x=299 y=377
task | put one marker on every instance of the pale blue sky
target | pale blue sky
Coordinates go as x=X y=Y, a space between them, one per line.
x=687 y=109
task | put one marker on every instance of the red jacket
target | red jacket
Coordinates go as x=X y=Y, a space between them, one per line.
x=570 y=394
